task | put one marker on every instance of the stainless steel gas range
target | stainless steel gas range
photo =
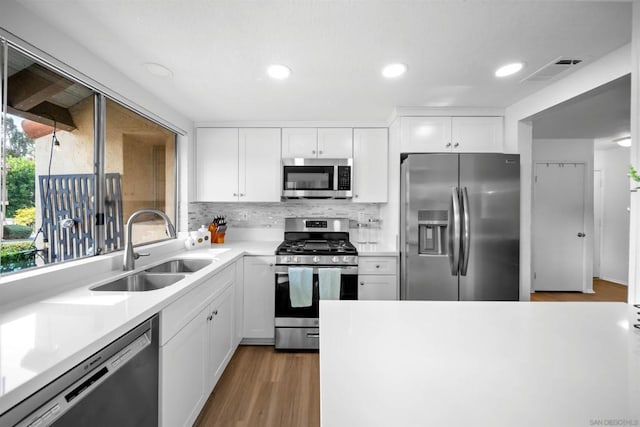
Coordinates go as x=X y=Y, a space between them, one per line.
x=319 y=251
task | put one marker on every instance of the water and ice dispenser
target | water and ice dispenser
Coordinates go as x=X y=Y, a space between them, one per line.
x=432 y=229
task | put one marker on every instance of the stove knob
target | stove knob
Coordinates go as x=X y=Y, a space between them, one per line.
x=335 y=259
x=287 y=259
x=346 y=259
x=295 y=259
x=316 y=259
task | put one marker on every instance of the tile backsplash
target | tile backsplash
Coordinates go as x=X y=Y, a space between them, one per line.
x=272 y=215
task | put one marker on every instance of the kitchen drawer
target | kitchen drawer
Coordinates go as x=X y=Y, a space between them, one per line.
x=180 y=312
x=377 y=265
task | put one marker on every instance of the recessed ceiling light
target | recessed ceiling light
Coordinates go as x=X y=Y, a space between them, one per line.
x=509 y=69
x=623 y=142
x=158 y=70
x=392 y=71
x=278 y=71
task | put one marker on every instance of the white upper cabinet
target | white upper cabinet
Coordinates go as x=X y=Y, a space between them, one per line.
x=260 y=169
x=425 y=134
x=238 y=165
x=477 y=134
x=335 y=143
x=299 y=142
x=370 y=165
x=452 y=134
x=217 y=164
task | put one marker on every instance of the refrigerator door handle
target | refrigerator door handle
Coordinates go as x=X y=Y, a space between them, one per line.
x=466 y=232
x=454 y=232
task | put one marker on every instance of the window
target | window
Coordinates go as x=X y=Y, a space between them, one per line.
x=53 y=166
x=143 y=154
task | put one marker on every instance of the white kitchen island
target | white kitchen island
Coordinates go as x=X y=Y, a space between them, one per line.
x=419 y=363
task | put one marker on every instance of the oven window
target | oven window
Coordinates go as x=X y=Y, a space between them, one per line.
x=348 y=291
x=308 y=177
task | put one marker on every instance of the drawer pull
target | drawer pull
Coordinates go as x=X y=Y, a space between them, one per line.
x=377 y=265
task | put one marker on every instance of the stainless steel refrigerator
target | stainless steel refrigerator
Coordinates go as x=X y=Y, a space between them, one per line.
x=460 y=227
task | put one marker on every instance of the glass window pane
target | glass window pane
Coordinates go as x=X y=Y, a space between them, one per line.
x=141 y=155
x=49 y=155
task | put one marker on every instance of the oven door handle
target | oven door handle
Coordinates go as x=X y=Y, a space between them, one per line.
x=347 y=271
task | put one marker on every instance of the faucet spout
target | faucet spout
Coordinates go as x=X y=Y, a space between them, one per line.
x=129 y=262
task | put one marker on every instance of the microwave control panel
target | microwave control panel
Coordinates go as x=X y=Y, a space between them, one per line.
x=344 y=178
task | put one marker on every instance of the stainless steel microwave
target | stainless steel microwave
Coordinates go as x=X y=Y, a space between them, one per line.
x=317 y=178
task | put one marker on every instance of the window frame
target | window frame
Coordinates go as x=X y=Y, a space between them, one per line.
x=101 y=94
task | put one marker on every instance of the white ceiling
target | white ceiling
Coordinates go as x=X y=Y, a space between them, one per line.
x=603 y=113
x=218 y=50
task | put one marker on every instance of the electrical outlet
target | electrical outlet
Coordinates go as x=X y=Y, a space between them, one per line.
x=244 y=216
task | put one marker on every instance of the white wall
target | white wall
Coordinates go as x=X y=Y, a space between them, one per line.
x=518 y=132
x=35 y=35
x=576 y=151
x=614 y=256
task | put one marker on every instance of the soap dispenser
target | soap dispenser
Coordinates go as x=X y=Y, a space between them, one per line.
x=204 y=233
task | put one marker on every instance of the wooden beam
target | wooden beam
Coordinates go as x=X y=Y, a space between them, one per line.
x=46 y=113
x=34 y=85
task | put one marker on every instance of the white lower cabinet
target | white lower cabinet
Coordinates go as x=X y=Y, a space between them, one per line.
x=197 y=349
x=377 y=278
x=220 y=335
x=379 y=288
x=183 y=375
x=259 y=298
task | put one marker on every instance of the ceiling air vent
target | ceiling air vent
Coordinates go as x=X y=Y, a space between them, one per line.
x=552 y=69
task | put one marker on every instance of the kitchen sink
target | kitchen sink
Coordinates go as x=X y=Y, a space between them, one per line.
x=180 y=266
x=140 y=282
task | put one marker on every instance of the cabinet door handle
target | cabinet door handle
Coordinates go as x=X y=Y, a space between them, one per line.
x=235 y=194
x=241 y=194
x=356 y=196
x=361 y=283
x=456 y=145
x=448 y=144
x=215 y=312
x=271 y=264
x=313 y=151
x=320 y=152
x=209 y=318
x=377 y=265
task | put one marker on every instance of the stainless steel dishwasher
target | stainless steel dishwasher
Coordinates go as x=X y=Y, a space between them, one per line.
x=117 y=386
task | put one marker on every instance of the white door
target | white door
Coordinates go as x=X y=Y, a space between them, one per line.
x=217 y=164
x=370 y=166
x=558 y=227
x=259 y=174
x=299 y=142
x=335 y=143
x=597 y=220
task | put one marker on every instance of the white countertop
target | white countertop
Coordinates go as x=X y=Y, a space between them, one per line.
x=418 y=363
x=42 y=339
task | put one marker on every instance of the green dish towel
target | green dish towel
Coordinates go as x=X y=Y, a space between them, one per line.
x=329 y=283
x=300 y=286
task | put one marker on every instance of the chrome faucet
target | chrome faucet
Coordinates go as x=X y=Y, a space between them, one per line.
x=130 y=257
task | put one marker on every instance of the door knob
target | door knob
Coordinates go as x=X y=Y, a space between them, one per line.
x=581 y=234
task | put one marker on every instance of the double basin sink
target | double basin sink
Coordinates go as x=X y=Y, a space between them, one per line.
x=158 y=277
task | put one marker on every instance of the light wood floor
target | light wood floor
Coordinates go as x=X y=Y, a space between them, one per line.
x=604 y=291
x=265 y=388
